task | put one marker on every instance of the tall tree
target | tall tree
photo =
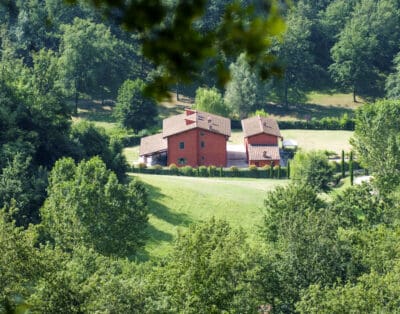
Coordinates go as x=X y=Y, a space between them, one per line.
x=210 y=100
x=294 y=52
x=90 y=59
x=245 y=91
x=366 y=47
x=133 y=109
x=97 y=211
x=393 y=81
x=377 y=142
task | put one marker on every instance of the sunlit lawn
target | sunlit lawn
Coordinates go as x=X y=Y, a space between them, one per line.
x=176 y=202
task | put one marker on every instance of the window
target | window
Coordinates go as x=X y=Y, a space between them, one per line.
x=181 y=145
x=181 y=161
x=202 y=144
x=202 y=133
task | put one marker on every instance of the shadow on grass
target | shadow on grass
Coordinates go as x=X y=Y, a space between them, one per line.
x=307 y=111
x=95 y=111
x=162 y=212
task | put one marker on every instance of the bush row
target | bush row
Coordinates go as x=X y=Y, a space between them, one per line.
x=276 y=172
x=327 y=123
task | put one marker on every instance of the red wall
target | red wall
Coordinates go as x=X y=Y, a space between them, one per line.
x=262 y=163
x=214 y=150
x=263 y=139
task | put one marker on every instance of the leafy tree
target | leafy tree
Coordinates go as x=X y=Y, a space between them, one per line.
x=133 y=109
x=366 y=47
x=294 y=52
x=88 y=141
x=245 y=91
x=305 y=247
x=243 y=28
x=393 y=81
x=312 y=168
x=90 y=59
x=19 y=260
x=282 y=202
x=377 y=142
x=96 y=210
x=19 y=184
x=210 y=100
x=211 y=270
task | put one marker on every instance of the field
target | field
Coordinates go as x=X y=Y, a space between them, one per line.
x=176 y=202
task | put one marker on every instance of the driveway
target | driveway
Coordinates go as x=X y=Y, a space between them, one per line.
x=237 y=156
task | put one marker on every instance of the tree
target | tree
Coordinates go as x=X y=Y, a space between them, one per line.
x=90 y=59
x=294 y=53
x=87 y=206
x=211 y=270
x=210 y=100
x=303 y=244
x=366 y=47
x=377 y=142
x=393 y=81
x=245 y=91
x=243 y=28
x=88 y=141
x=312 y=168
x=20 y=184
x=133 y=109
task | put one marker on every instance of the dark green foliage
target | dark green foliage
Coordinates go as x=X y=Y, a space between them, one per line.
x=312 y=168
x=351 y=170
x=203 y=171
x=23 y=185
x=377 y=142
x=342 y=165
x=211 y=270
x=133 y=109
x=186 y=171
x=98 y=211
x=88 y=141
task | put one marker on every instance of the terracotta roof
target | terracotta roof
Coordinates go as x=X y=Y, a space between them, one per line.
x=152 y=144
x=262 y=152
x=192 y=119
x=257 y=125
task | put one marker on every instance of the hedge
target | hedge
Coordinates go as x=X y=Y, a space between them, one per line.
x=212 y=171
x=327 y=123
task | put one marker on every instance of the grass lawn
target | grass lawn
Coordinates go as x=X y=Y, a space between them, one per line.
x=320 y=139
x=310 y=139
x=176 y=202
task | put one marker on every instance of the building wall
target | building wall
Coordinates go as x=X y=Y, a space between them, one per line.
x=212 y=153
x=262 y=163
x=263 y=139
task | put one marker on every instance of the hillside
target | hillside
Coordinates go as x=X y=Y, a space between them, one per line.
x=177 y=202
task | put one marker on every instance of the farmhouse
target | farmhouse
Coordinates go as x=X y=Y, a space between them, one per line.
x=261 y=140
x=193 y=138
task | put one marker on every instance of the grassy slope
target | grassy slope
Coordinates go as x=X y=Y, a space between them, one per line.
x=176 y=202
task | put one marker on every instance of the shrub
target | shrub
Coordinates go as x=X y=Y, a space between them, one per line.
x=173 y=169
x=212 y=171
x=157 y=168
x=277 y=170
x=267 y=169
x=253 y=171
x=203 y=171
x=234 y=170
x=187 y=171
x=142 y=165
x=312 y=168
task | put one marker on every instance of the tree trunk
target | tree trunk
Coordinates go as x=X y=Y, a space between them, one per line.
x=286 y=92
x=354 y=94
x=76 y=102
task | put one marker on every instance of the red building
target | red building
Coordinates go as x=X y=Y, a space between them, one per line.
x=261 y=139
x=193 y=138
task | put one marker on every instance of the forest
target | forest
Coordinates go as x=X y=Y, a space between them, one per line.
x=73 y=221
